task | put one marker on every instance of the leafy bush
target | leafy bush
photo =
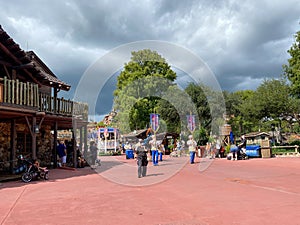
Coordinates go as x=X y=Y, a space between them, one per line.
x=227 y=149
x=296 y=142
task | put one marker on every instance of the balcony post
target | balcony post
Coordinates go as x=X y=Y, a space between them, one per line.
x=55 y=100
x=33 y=133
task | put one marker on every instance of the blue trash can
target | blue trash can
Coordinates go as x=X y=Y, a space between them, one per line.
x=253 y=150
x=129 y=154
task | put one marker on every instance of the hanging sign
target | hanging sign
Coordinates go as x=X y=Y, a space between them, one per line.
x=154 y=121
x=191 y=122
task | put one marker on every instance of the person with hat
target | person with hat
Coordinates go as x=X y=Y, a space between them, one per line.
x=142 y=160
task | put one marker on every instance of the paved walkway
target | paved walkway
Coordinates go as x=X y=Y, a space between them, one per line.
x=255 y=191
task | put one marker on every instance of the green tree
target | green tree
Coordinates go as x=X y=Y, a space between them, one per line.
x=272 y=99
x=140 y=86
x=199 y=98
x=292 y=70
x=210 y=109
x=173 y=108
x=239 y=109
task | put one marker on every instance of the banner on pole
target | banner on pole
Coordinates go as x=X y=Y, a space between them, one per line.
x=154 y=121
x=191 y=122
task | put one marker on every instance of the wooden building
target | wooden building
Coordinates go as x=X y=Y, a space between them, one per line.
x=259 y=138
x=31 y=113
x=263 y=140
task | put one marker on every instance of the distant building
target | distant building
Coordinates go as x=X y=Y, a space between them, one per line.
x=259 y=138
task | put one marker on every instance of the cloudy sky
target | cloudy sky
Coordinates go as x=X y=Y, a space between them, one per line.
x=242 y=42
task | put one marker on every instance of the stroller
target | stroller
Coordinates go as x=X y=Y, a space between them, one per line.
x=241 y=154
x=30 y=170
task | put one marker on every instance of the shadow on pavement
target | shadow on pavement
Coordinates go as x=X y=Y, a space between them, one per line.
x=58 y=174
x=154 y=174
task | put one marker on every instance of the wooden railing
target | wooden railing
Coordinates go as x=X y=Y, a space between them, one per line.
x=16 y=93
x=62 y=106
x=19 y=93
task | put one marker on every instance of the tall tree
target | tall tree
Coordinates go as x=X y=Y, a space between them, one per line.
x=197 y=94
x=292 y=70
x=239 y=108
x=140 y=86
x=272 y=99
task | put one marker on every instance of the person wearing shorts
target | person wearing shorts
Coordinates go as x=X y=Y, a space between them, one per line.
x=62 y=152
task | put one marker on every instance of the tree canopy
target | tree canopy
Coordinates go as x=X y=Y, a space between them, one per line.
x=292 y=70
x=140 y=86
x=146 y=85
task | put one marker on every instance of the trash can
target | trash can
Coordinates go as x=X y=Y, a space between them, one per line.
x=253 y=150
x=129 y=154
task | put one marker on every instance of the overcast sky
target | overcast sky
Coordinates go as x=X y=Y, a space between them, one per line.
x=242 y=42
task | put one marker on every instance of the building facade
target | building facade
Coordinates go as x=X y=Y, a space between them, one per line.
x=31 y=113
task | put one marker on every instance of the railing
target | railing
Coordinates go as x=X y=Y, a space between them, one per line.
x=19 y=93
x=62 y=106
x=16 y=93
x=295 y=147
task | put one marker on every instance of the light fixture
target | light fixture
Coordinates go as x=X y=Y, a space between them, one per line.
x=36 y=129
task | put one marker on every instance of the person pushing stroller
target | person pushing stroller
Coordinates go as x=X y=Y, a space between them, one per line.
x=241 y=153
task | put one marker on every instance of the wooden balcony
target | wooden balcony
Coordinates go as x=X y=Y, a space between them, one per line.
x=18 y=94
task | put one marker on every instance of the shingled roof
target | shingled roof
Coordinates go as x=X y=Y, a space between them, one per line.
x=16 y=58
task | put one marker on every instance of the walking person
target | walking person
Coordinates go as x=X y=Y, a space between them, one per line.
x=154 y=151
x=94 y=151
x=161 y=151
x=218 y=148
x=62 y=152
x=192 y=148
x=142 y=160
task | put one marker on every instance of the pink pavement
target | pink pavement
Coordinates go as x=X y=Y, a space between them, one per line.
x=255 y=191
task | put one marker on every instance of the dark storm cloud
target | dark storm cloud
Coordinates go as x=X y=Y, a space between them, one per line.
x=243 y=42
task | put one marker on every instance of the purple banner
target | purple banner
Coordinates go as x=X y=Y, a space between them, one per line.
x=154 y=121
x=191 y=122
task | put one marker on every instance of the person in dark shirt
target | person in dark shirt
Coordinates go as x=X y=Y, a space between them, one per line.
x=94 y=152
x=142 y=160
x=62 y=152
x=241 y=146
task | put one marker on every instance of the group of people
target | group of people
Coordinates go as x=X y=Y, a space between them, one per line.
x=157 y=149
x=65 y=153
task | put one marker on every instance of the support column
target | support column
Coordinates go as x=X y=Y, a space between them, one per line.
x=85 y=146
x=33 y=135
x=13 y=144
x=74 y=143
x=81 y=138
x=55 y=101
x=54 y=150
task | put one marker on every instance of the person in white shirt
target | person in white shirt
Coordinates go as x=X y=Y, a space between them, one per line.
x=192 y=148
